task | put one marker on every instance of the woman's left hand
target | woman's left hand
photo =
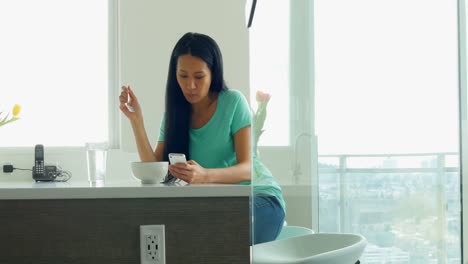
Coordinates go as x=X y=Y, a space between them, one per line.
x=190 y=172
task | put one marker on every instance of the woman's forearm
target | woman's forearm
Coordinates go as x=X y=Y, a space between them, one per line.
x=234 y=174
x=145 y=150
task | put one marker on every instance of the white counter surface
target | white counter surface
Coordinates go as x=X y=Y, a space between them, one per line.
x=131 y=189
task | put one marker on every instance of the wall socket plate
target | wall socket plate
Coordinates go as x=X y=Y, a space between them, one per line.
x=152 y=244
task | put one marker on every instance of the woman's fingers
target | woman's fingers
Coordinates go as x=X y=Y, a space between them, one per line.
x=123 y=107
x=123 y=95
x=124 y=101
x=124 y=89
x=122 y=98
x=128 y=97
x=132 y=94
x=180 y=169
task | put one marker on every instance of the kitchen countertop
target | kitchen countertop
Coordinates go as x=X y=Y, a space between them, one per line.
x=130 y=189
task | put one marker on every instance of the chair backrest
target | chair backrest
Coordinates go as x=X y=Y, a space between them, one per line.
x=294 y=231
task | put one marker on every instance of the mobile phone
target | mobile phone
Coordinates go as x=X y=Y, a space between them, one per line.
x=177 y=158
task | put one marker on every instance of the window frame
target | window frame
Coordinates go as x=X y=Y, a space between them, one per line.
x=114 y=74
x=463 y=113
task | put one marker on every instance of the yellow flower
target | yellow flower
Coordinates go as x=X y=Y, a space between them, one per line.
x=16 y=110
x=5 y=119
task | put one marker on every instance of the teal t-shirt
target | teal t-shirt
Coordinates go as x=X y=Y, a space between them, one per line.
x=212 y=145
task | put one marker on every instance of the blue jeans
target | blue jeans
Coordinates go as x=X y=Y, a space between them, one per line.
x=268 y=218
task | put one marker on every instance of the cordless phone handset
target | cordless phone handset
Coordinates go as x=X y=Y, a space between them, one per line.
x=38 y=169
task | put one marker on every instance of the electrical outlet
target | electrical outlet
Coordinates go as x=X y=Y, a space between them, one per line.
x=152 y=244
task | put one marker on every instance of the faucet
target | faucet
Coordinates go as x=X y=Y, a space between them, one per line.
x=296 y=165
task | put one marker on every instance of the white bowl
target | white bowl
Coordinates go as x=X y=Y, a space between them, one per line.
x=149 y=172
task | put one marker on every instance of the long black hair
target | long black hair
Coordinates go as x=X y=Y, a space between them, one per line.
x=178 y=109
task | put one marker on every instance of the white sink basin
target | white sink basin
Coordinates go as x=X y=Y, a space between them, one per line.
x=321 y=248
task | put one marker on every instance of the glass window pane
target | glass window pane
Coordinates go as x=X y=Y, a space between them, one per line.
x=385 y=81
x=55 y=65
x=269 y=64
x=387 y=109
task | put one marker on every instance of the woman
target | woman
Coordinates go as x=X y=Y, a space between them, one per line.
x=210 y=124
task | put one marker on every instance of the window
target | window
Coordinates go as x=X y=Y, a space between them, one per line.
x=270 y=70
x=55 y=64
x=385 y=81
x=387 y=125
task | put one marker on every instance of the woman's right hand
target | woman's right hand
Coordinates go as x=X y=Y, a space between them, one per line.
x=133 y=111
